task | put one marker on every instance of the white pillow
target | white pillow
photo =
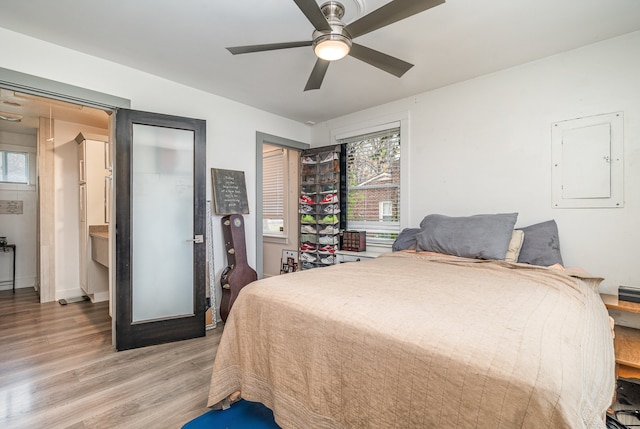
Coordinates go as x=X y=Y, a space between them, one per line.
x=517 y=238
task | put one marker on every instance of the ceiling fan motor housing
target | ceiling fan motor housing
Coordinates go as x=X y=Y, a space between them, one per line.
x=333 y=11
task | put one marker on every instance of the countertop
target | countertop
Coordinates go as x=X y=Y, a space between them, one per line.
x=100 y=231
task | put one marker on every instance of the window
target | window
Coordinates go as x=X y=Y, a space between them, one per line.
x=14 y=167
x=373 y=184
x=274 y=162
x=386 y=211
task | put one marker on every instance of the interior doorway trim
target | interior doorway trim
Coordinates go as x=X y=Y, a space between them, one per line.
x=38 y=86
x=262 y=139
x=34 y=85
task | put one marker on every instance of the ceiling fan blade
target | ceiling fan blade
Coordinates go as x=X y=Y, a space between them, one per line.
x=313 y=13
x=382 y=61
x=317 y=74
x=235 y=50
x=388 y=14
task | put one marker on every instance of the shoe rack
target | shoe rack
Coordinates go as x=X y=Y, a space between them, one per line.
x=322 y=205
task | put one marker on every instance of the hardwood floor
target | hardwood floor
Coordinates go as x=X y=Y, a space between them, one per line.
x=59 y=370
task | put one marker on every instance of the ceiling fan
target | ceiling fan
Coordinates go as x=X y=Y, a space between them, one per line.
x=332 y=39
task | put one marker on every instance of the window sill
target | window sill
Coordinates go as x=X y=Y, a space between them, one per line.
x=274 y=239
x=16 y=187
x=378 y=248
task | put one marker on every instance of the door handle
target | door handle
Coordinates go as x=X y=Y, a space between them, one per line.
x=198 y=239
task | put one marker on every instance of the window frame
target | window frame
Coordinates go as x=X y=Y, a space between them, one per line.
x=31 y=168
x=379 y=231
x=385 y=208
x=385 y=122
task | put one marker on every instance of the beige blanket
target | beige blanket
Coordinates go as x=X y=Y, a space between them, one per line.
x=417 y=341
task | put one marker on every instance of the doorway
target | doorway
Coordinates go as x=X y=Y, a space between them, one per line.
x=46 y=241
x=39 y=104
x=269 y=247
x=49 y=223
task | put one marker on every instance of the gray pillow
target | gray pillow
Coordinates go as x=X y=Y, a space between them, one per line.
x=406 y=239
x=484 y=236
x=541 y=244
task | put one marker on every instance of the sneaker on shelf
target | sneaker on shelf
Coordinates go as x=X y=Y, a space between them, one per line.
x=308 y=160
x=329 y=157
x=308 y=247
x=307 y=257
x=328 y=248
x=329 y=260
x=309 y=190
x=306 y=200
x=308 y=229
x=327 y=239
x=304 y=208
x=329 y=198
x=307 y=266
x=308 y=238
x=326 y=189
x=329 y=229
x=332 y=208
x=329 y=219
x=327 y=178
x=307 y=218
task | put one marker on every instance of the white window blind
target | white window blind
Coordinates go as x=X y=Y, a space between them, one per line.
x=373 y=184
x=273 y=191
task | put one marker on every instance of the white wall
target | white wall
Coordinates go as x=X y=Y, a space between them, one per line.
x=231 y=126
x=20 y=229
x=480 y=146
x=484 y=146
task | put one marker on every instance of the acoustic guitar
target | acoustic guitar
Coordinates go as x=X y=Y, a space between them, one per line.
x=238 y=273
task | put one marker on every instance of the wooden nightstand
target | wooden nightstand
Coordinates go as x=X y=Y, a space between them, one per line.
x=627 y=341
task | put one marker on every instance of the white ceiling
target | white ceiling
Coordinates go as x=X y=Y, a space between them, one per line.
x=184 y=41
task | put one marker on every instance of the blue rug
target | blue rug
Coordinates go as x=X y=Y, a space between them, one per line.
x=241 y=415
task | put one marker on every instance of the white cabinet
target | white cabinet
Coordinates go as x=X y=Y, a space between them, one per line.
x=82 y=156
x=93 y=175
x=587 y=162
x=83 y=242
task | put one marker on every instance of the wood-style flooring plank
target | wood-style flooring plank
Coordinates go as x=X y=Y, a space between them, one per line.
x=59 y=370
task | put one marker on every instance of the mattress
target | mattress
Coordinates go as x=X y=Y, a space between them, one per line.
x=417 y=340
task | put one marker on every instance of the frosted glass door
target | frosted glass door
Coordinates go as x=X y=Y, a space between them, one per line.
x=162 y=219
x=160 y=212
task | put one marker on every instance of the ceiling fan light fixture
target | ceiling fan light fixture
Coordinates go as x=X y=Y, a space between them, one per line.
x=331 y=47
x=9 y=117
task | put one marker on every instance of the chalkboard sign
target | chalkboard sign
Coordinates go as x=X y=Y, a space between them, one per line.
x=229 y=191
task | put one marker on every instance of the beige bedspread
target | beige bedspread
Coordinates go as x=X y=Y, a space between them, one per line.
x=417 y=341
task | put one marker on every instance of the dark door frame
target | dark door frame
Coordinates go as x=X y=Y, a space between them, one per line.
x=129 y=334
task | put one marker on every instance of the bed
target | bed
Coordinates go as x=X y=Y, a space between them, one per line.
x=417 y=339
